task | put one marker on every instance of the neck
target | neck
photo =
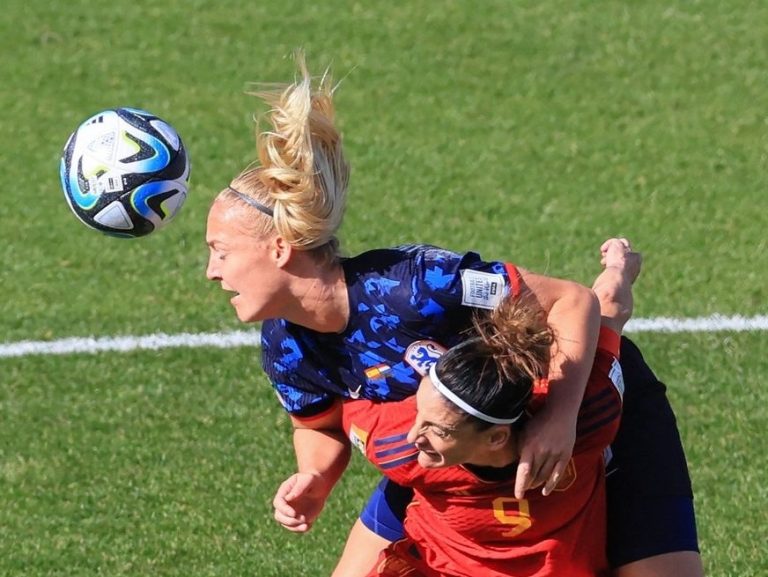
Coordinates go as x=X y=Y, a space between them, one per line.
x=500 y=457
x=320 y=301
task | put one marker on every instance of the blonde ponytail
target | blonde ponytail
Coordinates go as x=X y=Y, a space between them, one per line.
x=302 y=174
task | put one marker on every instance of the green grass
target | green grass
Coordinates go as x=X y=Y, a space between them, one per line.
x=121 y=474
x=528 y=131
x=714 y=384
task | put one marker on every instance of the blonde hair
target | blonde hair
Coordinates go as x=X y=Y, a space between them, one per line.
x=302 y=175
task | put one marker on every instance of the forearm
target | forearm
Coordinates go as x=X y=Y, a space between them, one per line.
x=321 y=452
x=614 y=290
x=613 y=286
x=575 y=319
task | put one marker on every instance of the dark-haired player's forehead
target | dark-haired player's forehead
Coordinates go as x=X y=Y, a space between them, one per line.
x=435 y=410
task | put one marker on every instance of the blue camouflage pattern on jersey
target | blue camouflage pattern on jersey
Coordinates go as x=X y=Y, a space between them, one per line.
x=396 y=296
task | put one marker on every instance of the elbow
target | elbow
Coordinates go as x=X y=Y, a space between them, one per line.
x=589 y=302
x=587 y=299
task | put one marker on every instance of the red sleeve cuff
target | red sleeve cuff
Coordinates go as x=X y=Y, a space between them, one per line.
x=609 y=341
x=315 y=416
x=514 y=279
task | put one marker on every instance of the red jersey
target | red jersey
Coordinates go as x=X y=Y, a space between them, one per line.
x=464 y=520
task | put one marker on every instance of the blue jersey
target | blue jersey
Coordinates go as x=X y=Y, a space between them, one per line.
x=404 y=304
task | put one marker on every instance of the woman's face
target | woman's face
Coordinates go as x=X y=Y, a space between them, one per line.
x=441 y=432
x=243 y=264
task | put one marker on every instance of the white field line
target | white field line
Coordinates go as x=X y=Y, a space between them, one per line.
x=252 y=338
x=124 y=344
x=711 y=324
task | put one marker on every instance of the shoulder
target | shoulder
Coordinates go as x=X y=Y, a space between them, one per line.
x=434 y=266
x=290 y=348
x=280 y=337
x=402 y=276
x=380 y=431
x=404 y=259
x=291 y=362
x=464 y=278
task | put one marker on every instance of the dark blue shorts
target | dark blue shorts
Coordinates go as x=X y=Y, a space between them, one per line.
x=385 y=510
x=650 y=502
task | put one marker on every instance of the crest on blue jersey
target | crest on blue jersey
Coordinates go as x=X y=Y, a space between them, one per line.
x=421 y=355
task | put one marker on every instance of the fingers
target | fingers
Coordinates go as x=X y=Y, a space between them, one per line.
x=285 y=513
x=290 y=519
x=533 y=472
x=284 y=490
x=297 y=486
x=616 y=241
x=523 y=477
x=618 y=253
x=554 y=478
x=546 y=470
x=614 y=249
x=294 y=523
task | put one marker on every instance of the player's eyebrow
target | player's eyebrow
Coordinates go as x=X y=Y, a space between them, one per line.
x=451 y=430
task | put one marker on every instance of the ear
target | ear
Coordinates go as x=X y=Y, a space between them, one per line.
x=498 y=436
x=281 y=251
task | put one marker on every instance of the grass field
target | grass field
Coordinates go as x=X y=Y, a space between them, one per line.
x=528 y=131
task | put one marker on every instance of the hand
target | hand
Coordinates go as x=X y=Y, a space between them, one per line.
x=613 y=287
x=299 y=500
x=546 y=448
x=618 y=253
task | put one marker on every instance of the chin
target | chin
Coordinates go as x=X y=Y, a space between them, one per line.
x=244 y=318
x=429 y=461
x=248 y=316
x=241 y=314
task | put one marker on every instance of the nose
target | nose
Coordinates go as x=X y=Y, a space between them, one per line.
x=211 y=271
x=413 y=434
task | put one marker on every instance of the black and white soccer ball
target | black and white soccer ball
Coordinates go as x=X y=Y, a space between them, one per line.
x=125 y=172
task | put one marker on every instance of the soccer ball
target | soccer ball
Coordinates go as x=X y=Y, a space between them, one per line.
x=124 y=172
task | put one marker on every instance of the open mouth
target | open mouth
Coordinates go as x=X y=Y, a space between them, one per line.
x=429 y=459
x=235 y=294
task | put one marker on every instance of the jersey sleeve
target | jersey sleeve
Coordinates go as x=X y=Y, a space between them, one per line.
x=443 y=280
x=284 y=362
x=380 y=431
x=600 y=411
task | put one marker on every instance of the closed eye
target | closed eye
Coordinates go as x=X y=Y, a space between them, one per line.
x=440 y=432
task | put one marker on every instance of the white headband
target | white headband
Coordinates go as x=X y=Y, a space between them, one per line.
x=451 y=396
